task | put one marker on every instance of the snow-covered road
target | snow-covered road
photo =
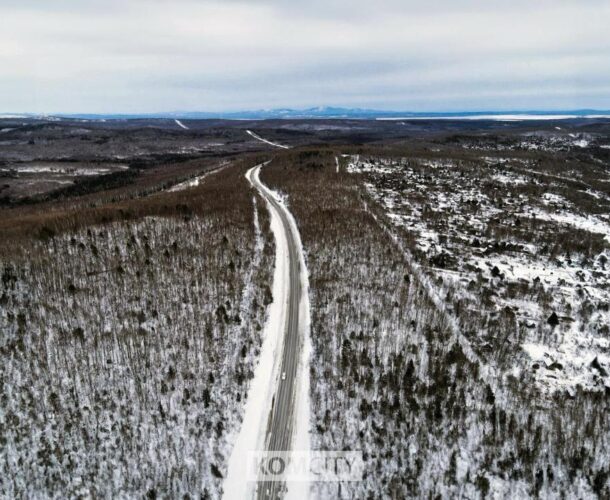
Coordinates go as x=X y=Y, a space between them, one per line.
x=277 y=410
x=181 y=125
x=259 y=138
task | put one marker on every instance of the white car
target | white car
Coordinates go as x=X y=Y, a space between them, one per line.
x=283 y=375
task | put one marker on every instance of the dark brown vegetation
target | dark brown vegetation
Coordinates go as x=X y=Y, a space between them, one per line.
x=130 y=202
x=129 y=332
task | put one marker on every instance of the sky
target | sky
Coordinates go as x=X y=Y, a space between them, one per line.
x=137 y=56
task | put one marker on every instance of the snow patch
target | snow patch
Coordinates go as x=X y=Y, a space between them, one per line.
x=584 y=222
x=196 y=181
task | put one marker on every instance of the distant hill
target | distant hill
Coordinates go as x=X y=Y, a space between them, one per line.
x=328 y=112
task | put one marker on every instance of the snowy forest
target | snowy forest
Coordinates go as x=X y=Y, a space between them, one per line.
x=441 y=400
x=459 y=320
x=127 y=347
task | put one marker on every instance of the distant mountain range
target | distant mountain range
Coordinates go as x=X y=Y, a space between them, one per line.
x=325 y=112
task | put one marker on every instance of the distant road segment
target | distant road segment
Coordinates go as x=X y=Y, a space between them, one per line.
x=182 y=125
x=259 y=138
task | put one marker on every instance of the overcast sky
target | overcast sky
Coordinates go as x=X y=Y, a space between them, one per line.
x=198 y=55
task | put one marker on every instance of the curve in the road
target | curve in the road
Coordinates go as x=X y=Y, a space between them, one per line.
x=282 y=417
x=276 y=416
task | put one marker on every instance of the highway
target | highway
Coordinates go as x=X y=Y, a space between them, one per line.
x=281 y=420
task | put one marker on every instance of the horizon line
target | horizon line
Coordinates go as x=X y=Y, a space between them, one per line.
x=321 y=112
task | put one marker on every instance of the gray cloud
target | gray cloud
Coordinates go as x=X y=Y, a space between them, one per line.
x=136 y=55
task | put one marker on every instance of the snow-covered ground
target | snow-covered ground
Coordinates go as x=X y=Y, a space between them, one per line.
x=471 y=232
x=64 y=169
x=536 y=141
